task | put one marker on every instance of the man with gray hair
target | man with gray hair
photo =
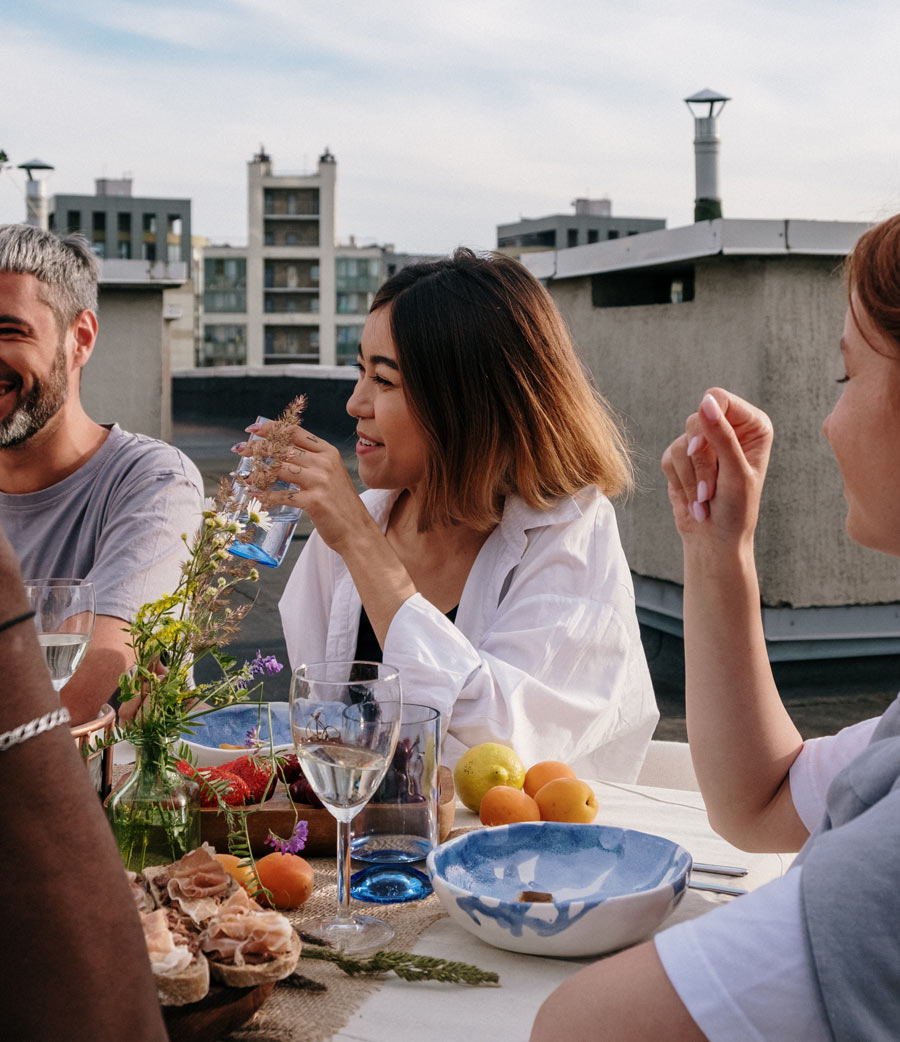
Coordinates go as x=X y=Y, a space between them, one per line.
x=78 y=498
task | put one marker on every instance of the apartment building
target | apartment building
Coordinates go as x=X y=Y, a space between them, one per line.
x=592 y=221
x=292 y=294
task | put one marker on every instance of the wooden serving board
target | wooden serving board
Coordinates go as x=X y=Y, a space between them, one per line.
x=277 y=814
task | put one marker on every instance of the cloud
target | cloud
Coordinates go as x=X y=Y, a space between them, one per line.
x=448 y=119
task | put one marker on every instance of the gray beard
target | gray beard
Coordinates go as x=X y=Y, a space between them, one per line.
x=40 y=405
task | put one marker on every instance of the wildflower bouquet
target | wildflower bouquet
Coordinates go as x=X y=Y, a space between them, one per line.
x=170 y=636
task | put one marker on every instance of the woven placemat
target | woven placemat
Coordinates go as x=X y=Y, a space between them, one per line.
x=291 y=1014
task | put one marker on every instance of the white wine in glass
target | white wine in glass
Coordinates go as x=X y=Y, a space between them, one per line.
x=64 y=611
x=345 y=719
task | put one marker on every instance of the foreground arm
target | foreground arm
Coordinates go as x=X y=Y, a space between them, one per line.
x=80 y=963
x=625 y=998
x=742 y=739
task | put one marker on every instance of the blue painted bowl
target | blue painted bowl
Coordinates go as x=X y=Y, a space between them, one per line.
x=229 y=726
x=608 y=887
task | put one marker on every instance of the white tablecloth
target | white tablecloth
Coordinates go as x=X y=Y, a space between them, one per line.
x=443 y=1013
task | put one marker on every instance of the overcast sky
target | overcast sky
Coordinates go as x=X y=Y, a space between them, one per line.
x=450 y=117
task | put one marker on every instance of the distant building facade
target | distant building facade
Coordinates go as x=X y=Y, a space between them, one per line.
x=292 y=294
x=757 y=307
x=122 y=226
x=592 y=222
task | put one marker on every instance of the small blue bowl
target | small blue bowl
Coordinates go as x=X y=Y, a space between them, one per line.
x=229 y=726
x=557 y=889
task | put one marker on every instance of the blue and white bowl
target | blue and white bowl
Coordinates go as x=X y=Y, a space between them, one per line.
x=230 y=725
x=608 y=887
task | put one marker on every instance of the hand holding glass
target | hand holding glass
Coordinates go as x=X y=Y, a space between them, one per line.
x=64 y=612
x=345 y=719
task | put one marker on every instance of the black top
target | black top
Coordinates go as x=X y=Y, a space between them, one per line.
x=367 y=647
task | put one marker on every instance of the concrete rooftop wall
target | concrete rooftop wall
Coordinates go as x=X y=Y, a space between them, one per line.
x=767 y=328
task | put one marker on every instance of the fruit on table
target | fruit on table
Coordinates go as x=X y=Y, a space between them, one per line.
x=234 y=867
x=502 y=805
x=289 y=769
x=537 y=776
x=302 y=792
x=288 y=877
x=484 y=766
x=567 y=799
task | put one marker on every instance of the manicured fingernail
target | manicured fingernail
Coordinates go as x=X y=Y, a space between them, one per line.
x=694 y=444
x=698 y=511
x=253 y=428
x=710 y=408
x=702 y=492
x=238 y=446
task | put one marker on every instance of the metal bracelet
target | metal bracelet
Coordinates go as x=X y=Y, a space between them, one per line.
x=25 y=731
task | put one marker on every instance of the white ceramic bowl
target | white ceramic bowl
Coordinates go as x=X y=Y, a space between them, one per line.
x=609 y=887
x=230 y=726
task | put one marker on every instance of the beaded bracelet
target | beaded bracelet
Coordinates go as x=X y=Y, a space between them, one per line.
x=35 y=727
x=15 y=620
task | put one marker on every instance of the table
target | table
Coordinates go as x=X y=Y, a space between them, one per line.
x=430 y=1012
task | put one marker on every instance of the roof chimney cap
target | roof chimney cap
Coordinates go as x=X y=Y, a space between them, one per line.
x=712 y=98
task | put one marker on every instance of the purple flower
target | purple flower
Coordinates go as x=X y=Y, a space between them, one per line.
x=293 y=845
x=265 y=665
x=252 y=739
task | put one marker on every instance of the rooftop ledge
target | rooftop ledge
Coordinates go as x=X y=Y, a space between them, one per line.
x=705 y=239
x=141 y=274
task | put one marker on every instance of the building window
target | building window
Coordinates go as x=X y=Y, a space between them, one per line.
x=593 y=235
x=354 y=303
x=612 y=234
x=225 y=284
x=73 y=221
x=643 y=286
x=348 y=339
x=223 y=345
x=357 y=275
x=283 y=344
x=571 y=237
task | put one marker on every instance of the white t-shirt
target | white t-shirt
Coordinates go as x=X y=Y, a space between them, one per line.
x=743 y=971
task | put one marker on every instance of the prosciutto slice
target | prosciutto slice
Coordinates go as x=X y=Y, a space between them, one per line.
x=165 y=955
x=241 y=932
x=197 y=884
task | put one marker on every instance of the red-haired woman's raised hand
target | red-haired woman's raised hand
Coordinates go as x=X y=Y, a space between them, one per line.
x=716 y=469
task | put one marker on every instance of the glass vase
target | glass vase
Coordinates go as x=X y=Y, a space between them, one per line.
x=155 y=815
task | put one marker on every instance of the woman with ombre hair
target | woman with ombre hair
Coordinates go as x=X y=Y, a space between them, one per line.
x=484 y=561
x=815 y=955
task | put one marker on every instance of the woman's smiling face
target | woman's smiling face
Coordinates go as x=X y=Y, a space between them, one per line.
x=863 y=430
x=391 y=449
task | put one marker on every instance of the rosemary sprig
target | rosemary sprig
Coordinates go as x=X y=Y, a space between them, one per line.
x=405 y=965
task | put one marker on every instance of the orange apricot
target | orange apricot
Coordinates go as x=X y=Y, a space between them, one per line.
x=288 y=877
x=503 y=804
x=243 y=873
x=536 y=777
x=567 y=799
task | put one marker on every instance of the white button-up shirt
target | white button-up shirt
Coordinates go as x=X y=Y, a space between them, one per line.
x=545 y=653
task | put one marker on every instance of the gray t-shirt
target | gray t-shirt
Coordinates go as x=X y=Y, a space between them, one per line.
x=118 y=521
x=850 y=892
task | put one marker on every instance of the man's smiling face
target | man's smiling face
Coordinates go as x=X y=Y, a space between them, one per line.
x=34 y=378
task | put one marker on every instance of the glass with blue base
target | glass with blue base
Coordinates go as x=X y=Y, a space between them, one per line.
x=399 y=826
x=265 y=545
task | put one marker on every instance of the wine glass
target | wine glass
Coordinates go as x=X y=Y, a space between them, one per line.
x=345 y=719
x=64 y=612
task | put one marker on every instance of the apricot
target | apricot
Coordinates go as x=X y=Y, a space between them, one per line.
x=567 y=799
x=537 y=776
x=504 y=804
x=243 y=873
x=288 y=877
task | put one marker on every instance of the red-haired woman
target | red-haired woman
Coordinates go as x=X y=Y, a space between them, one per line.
x=484 y=560
x=813 y=956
